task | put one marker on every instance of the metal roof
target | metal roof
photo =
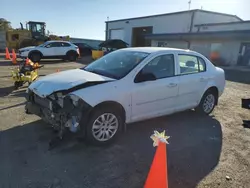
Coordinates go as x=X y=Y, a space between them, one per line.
x=223 y=23
x=201 y=35
x=180 y=12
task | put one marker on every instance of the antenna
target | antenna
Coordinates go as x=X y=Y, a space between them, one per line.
x=107 y=18
x=189 y=4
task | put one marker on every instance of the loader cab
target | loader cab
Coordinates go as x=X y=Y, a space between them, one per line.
x=37 y=29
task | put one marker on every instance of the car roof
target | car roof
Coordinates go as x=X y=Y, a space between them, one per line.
x=50 y=41
x=155 y=49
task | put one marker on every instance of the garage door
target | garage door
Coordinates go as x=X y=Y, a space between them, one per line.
x=117 y=34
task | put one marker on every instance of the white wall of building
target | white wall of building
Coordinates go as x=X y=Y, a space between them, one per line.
x=229 y=50
x=210 y=17
x=173 y=23
x=181 y=23
x=169 y=23
x=171 y=44
x=203 y=47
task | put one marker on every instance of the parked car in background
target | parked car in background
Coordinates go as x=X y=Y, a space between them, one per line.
x=85 y=49
x=125 y=86
x=51 y=50
x=112 y=45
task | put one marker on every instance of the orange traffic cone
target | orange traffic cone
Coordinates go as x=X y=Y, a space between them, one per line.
x=158 y=174
x=14 y=57
x=7 y=54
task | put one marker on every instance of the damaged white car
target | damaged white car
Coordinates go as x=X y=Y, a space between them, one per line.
x=125 y=86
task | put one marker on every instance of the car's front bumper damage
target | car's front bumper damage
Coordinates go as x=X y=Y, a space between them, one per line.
x=61 y=112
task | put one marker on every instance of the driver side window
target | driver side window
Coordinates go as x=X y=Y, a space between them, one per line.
x=161 y=67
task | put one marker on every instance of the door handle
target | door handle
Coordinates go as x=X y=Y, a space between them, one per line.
x=172 y=85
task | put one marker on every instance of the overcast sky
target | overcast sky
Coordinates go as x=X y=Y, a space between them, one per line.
x=85 y=18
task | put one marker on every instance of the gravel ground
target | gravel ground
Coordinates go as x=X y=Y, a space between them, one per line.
x=201 y=153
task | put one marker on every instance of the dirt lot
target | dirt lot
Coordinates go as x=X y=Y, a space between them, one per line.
x=201 y=153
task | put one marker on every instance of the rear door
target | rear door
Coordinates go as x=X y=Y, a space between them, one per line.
x=62 y=48
x=193 y=80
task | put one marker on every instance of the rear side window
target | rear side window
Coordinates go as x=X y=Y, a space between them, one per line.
x=54 y=44
x=202 y=64
x=65 y=44
x=191 y=64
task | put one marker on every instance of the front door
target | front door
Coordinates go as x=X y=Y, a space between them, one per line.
x=193 y=80
x=157 y=97
x=50 y=49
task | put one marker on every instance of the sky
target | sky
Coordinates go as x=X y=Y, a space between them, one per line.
x=86 y=18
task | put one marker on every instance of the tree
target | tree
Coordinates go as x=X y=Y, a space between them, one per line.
x=4 y=24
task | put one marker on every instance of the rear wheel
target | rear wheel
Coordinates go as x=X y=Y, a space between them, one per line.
x=207 y=102
x=71 y=56
x=104 y=126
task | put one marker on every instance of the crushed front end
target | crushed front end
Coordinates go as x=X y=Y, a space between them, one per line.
x=60 y=110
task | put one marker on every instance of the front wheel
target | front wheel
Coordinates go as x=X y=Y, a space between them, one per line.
x=104 y=126
x=207 y=103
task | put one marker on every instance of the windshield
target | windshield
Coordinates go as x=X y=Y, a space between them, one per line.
x=116 y=64
x=44 y=44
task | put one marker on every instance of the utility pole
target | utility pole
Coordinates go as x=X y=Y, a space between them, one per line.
x=189 y=4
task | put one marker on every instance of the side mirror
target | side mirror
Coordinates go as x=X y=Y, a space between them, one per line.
x=48 y=46
x=143 y=77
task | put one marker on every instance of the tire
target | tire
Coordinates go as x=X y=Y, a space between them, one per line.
x=35 y=57
x=18 y=84
x=96 y=129
x=207 y=103
x=71 y=56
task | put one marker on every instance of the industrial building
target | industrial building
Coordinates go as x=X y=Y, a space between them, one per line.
x=199 y=30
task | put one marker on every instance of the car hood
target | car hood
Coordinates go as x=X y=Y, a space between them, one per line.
x=65 y=80
x=27 y=48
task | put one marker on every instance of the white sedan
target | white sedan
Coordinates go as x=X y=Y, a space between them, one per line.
x=126 y=86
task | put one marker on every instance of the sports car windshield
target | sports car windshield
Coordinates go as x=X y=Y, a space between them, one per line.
x=116 y=64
